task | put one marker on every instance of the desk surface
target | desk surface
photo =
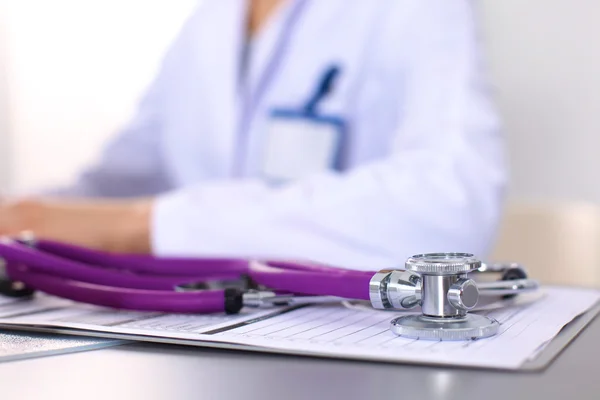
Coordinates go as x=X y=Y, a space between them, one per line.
x=172 y=372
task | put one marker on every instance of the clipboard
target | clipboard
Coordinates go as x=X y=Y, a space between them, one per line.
x=25 y=345
x=566 y=336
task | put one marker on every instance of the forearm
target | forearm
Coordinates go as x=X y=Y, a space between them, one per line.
x=118 y=226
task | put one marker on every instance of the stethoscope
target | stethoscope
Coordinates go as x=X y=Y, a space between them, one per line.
x=439 y=283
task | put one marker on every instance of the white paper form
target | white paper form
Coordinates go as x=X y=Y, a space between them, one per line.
x=331 y=330
x=45 y=310
x=327 y=330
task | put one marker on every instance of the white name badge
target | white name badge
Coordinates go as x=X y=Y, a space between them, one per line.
x=298 y=145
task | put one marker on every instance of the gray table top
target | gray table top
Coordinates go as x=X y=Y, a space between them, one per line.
x=151 y=371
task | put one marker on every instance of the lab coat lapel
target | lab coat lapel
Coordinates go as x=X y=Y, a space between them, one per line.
x=312 y=46
x=268 y=49
x=220 y=43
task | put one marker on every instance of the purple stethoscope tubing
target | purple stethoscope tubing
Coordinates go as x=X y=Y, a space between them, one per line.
x=146 y=283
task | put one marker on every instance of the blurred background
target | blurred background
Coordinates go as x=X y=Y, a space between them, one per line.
x=72 y=71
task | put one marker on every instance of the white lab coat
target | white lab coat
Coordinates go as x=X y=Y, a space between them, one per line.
x=425 y=168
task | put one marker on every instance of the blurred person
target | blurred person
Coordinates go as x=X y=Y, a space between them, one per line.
x=354 y=133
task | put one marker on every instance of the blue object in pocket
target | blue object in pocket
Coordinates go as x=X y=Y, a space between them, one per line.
x=303 y=141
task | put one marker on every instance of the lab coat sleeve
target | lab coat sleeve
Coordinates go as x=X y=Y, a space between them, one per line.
x=130 y=165
x=440 y=188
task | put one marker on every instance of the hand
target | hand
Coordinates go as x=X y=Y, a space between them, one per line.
x=116 y=226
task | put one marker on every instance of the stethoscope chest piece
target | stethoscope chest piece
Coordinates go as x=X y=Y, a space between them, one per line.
x=446 y=296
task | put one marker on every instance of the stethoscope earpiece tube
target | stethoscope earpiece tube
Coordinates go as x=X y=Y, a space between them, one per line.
x=200 y=302
x=314 y=280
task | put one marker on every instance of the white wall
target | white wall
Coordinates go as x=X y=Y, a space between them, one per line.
x=77 y=67
x=4 y=135
x=75 y=73
x=545 y=56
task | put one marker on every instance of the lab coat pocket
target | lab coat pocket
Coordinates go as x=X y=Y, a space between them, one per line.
x=300 y=144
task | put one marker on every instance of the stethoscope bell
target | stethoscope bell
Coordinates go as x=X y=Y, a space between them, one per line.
x=439 y=283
